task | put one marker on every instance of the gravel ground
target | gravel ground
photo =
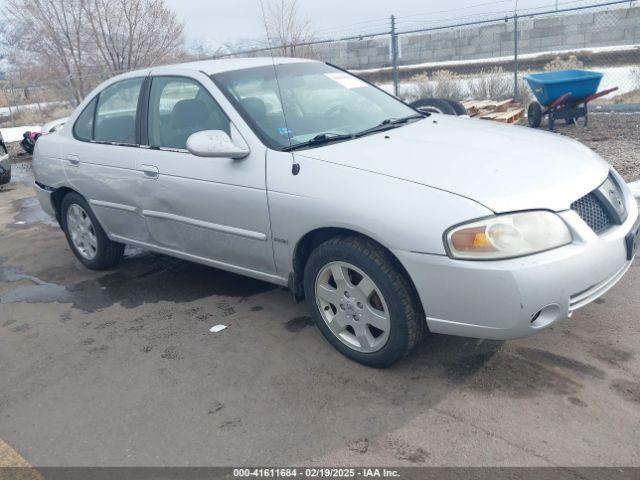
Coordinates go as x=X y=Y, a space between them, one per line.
x=615 y=136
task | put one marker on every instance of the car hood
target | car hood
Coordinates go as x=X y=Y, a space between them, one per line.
x=503 y=167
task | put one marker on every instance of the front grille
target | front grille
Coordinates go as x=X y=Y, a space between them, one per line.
x=593 y=213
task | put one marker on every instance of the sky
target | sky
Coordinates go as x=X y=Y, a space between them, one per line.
x=220 y=21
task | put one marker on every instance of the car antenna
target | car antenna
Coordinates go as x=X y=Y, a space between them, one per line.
x=295 y=167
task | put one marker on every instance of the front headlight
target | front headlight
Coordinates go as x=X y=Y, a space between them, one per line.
x=507 y=236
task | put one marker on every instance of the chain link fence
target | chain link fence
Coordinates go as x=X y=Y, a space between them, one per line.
x=476 y=58
x=490 y=60
x=35 y=103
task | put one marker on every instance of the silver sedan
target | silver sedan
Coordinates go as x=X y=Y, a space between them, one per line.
x=391 y=222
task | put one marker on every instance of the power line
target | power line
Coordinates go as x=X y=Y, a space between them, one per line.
x=468 y=7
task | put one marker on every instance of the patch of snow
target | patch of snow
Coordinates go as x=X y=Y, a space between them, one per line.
x=506 y=58
x=6 y=111
x=14 y=134
x=621 y=77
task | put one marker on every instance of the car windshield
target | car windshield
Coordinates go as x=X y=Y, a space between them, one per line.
x=308 y=103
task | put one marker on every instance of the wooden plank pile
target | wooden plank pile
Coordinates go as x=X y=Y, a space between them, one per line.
x=505 y=111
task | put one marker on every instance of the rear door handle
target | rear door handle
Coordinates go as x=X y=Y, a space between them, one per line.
x=150 y=171
x=73 y=160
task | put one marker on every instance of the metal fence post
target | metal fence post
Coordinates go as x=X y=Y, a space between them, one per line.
x=515 y=56
x=394 y=55
x=9 y=102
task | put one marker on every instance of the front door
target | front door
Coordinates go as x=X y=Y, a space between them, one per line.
x=210 y=208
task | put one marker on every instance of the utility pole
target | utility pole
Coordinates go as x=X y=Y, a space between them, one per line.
x=394 y=55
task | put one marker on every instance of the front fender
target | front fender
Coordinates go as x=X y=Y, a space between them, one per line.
x=398 y=214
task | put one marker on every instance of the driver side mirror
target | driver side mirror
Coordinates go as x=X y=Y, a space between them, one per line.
x=215 y=144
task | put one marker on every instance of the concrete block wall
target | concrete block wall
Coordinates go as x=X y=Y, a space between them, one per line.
x=538 y=34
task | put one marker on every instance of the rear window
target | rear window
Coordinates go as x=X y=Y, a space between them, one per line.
x=115 y=119
x=111 y=116
x=83 y=128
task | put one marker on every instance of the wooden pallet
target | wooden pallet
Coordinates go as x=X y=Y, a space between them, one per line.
x=505 y=111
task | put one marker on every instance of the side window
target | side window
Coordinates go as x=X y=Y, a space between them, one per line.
x=83 y=129
x=178 y=108
x=116 y=112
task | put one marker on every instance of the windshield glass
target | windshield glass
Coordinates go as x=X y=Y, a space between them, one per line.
x=305 y=100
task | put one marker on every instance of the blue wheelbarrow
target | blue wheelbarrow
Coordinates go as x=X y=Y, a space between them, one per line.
x=563 y=95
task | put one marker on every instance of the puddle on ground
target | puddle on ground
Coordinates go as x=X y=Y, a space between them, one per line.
x=628 y=390
x=296 y=324
x=509 y=374
x=142 y=277
x=22 y=172
x=522 y=373
x=29 y=213
x=554 y=360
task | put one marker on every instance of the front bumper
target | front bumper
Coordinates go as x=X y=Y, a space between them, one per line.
x=515 y=298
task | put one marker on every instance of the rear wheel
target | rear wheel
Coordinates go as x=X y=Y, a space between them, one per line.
x=86 y=237
x=5 y=177
x=363 y=305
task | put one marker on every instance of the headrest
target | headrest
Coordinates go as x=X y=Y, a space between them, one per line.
x=189 y=113
x=255 y=107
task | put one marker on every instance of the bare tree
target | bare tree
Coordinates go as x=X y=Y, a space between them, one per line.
x=287 y=28
x=47 y=38
x=86 y=40
x=129 y=34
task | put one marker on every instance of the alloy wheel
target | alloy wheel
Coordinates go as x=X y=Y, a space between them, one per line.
x=353 y=307
x=82 y=232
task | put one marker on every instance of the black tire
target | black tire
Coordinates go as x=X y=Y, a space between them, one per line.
x=108 y=253
x=534 y=114
x=433 y=105
x=408 y=324
x=458 y=107
x=5 y=177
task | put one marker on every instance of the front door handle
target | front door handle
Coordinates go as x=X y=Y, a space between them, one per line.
x=73 y=160
x=150 y=171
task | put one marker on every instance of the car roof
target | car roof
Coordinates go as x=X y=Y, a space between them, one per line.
x=211 y=67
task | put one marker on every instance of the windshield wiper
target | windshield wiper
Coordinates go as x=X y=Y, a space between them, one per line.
x=328 y=137
x=320 y=139
x=390 y=123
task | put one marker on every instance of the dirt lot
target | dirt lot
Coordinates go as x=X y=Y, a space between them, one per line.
x=616 y=137
x=119 y=367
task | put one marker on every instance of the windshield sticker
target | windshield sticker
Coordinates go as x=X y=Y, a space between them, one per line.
x=346 y=80
x=285 y=132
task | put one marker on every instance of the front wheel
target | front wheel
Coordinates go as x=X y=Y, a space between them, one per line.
x=86 y=237
x=363 y=305
x=534 y=115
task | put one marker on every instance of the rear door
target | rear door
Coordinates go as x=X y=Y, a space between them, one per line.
x=210 y=208
x=99 y=161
